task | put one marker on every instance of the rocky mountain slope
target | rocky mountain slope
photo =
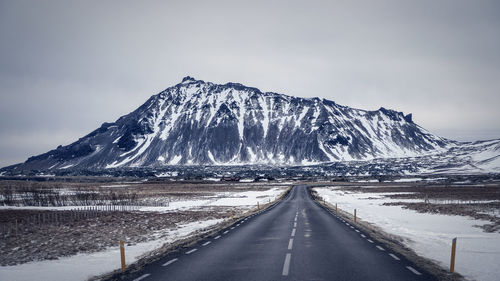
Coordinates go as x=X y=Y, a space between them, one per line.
x=201 y=123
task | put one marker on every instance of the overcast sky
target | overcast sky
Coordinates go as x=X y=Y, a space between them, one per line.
x=68 y=66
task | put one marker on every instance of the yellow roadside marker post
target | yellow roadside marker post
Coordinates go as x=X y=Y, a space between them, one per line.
x=122 y=254
x=453 y=251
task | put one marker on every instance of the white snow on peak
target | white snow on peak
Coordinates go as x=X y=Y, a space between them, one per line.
x=265 y=112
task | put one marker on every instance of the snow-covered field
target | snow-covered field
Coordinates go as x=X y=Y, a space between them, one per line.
x=85 y=265
x=429 y=235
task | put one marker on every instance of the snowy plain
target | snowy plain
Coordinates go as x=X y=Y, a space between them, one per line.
x=429 y=235
x=86 y=265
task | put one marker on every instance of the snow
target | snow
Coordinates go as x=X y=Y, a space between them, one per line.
x=408 y=180
x=211 y=157
x=321 y=146
x=429 y=235
x=372 y=180
x=303 y=113
x=175 y=160
x=307 y=162
x=84 y=266
x=265 y=112
x=67 y=166
x=238 y=199
x=253 y=157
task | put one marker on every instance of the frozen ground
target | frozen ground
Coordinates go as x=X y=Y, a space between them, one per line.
x=429 y=235
x=84 y=266
x=211 y=207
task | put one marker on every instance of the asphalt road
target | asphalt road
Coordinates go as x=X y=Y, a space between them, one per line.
x=296 y=239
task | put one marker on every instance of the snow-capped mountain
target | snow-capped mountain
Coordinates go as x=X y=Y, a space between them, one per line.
x=197 y=122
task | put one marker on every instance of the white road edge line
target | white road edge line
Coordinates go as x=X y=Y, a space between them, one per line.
x=290 y=244
x=369 y=240
x=217 y=237
x=394 y=257
x=206 y=243
x=362 y=235
x=169 y=262
x=225 y=232
x=286 y=265
x=191 y=251
x=413 y=270
x=293 y=232
x=356 y=230
x=380 y=248
x=232 y=227
x=142 y=277
x=294 y=224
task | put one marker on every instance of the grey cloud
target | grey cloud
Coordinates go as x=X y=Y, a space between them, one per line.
x=67 y=66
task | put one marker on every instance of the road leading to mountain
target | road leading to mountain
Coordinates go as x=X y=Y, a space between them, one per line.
x=295 y=240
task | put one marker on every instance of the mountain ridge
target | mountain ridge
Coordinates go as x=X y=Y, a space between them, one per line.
x=201 y=123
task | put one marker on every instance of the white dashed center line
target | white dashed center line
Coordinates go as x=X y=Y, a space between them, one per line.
x=225 y=232
x=293 y=232
x=362 y=235
x=169 y=262
x=286 y=265
x=394 y=257
x=369 y=240
x=356 y=230
x=294 y=224
x=142 y=277
x=206 y=243
x=290 y=244
x=380 y=248
x=232 y=227
x=191 y=251
x=413 y=270
x=217 y=237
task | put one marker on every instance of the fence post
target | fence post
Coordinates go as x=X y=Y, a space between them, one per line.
x=354 y=215
x=122 y=254
x=453 y=251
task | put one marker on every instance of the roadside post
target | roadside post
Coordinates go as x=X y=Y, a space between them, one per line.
x=336 y=209
x=232 y=217
x=453 y=251
x=258 y=206
x=354 y=215
x=122 y=254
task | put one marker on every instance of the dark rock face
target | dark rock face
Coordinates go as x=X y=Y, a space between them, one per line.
x=197 y=122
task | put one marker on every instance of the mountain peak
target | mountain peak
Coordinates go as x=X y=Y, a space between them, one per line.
x=188 y=79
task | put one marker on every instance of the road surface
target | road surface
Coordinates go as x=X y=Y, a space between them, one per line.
x=297 y=239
